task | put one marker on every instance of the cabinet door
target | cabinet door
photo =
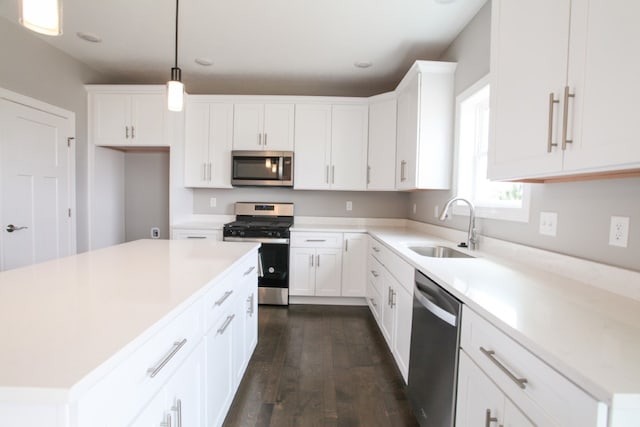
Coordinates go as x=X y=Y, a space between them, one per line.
x=154 y=413
x=381 y=173
x=237 y=331
x=303 y=272
x=529 y=42
x=111 y=114
x=513 y=417
x=604 y=76
x=148 y=120
x=251 y=321
x=248 y=122
x=220 y=145
x=278 y=127
x=354 y=265
x=387 y=311
x=219 y=371
x=476 y=395
x=312 y=147
x=196 y=145
x=349 y=129
x=185 y=391
x=407 y=132
x=403 y=312
x=328 y=272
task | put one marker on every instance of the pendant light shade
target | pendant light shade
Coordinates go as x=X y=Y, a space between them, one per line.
x=175 y=87
x=42 y=16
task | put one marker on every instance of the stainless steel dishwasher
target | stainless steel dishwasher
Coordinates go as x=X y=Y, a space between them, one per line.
x=433 y=363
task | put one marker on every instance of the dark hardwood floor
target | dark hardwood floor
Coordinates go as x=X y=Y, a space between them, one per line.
x=320 y=366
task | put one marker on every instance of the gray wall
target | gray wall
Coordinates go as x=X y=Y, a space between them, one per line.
x=33 y=68
x=307 y=203
x=146 y=194
x=584 y=208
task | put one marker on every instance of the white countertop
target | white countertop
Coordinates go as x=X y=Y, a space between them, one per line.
x=590 y=335
x=63 y=319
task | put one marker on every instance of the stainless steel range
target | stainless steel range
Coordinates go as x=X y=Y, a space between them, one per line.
x=267 y=223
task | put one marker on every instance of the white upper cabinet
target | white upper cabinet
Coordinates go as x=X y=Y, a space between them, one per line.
x=208 y=142
x=263 y=127
x=381 y=160
x=331 y=147
x=425 y=126
x=557 y=108
x=128 y=116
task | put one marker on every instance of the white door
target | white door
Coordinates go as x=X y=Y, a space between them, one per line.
x=248 y=121
x=148 y=119
x=185 y=391
x=312 y=147
x=328 y=272
x=381 y=172
x=354 y=266
x=407 y=135
x=349 y=130
x=36 y=163
x=278 y=127
x=111 y=117
x=196 y=144
x=302 y=271
x=403 y=307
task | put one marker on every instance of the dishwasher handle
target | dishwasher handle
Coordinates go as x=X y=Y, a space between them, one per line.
x=436 y=310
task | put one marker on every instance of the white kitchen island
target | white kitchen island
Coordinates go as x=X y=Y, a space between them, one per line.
x=82 y=336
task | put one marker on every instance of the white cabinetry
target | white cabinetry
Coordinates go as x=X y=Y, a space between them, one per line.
x=196 y=233
x=498 y=375
x=394 y=278
x=208 y=142
x=331 y=146
x=124 y=116
x=354 y=264
x=316 y=264
x=263 y=127
x=573 y=116
x=425 y=126
x=381 y=158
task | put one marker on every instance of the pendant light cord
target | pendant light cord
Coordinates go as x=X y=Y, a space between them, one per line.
x=176 y=55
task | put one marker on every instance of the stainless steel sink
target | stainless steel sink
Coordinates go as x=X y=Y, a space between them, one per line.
x=438 y=252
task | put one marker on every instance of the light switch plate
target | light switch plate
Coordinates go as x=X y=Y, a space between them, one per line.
x=548 y=223
x=213 y=202
x=349 y=205
x=619 y=231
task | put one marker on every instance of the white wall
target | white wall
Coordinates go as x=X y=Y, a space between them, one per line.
x=33 y=68
x=584 y=208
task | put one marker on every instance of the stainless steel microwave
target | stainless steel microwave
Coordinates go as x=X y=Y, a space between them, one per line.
x=262 y=168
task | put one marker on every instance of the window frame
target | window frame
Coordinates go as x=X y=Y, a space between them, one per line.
x=521 y=214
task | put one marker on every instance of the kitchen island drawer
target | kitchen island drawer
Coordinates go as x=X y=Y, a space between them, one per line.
x=316 y=240
x=225 y=291
x=538 y=389
x=117 y=397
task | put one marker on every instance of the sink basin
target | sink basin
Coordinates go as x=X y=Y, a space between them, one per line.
x=439 y=252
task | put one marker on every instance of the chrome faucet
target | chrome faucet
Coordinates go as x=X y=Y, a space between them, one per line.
x=472 y=241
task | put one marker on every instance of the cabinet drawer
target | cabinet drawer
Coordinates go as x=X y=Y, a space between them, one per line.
x=374 y=300
x=117 y=398
x=226 y=291
x=545 y=395
x=196 y=234
x=400 y=269
x=374 y=275
x=316 y=240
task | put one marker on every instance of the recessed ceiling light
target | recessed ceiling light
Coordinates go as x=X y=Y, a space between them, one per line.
x=205 y=62
x=362 y=64
x=90 y=37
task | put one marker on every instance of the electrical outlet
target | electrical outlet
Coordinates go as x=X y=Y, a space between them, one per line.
x=619 y=231
x=155 y=233
x=548 y=223
x=213 y=202
x=415 y=208
x=436 y=208
x=349 y=205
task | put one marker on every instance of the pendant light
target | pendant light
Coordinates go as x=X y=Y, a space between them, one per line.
x=175 y=87
x=42 y=16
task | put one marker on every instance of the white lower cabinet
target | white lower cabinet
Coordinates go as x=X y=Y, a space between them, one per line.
x=219 y=368
x=481 y=403
x=316 y=264
x=391 y=280
x=354 y=264
x=498 y=375
x=196 y=233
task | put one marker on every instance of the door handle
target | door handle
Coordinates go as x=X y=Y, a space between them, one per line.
x=11 y=228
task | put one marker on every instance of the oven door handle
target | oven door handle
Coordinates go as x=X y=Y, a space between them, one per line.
x=258 y=240
x=260 y=267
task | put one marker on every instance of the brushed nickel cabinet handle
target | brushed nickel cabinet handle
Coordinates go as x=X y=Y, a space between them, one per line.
x=521 y=382
x=346 y=245
x=318 y=262
x=246 y=273
x=175 y=349
x=223 y=298
x=311 y=260
x=565 y=117
x=226 y=324
x=368 y=174
x=126 y=132
x=177 y=408
x=326 y=174
x=333 y=174
x=550 y=142
x=375 y=273
x=315 y=240
x=166 y=422
x=133 y=132
x=375 y=249
x=259 y=139
x=265 y=139
x=488 y=419
x=209 y=172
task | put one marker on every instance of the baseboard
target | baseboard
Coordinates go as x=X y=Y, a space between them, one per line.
x=328 y=300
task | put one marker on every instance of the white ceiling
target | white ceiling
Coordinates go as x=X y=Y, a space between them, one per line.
x=261 y=46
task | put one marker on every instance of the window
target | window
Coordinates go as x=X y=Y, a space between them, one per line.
x=498 y=200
